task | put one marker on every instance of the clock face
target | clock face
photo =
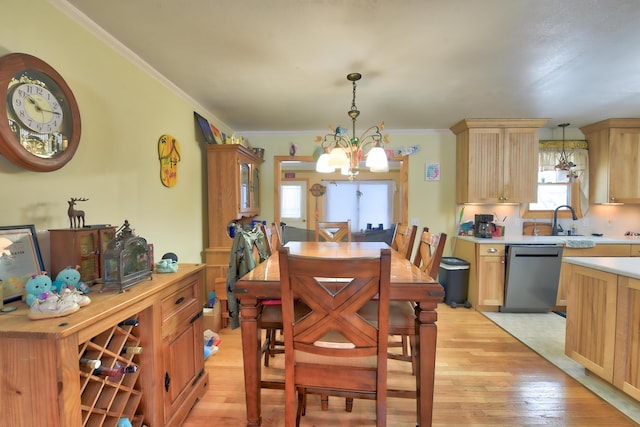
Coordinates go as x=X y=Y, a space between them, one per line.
x=42 y=128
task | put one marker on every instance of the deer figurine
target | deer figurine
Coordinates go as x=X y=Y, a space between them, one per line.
x=75 y=216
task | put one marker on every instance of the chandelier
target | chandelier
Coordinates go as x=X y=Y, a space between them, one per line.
x=339 y=151
x=563 y=161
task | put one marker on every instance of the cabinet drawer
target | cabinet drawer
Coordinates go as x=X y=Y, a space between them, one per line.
x=491 y=250
x=181 y=306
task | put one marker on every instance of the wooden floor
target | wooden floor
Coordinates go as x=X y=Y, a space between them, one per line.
x=484 y=377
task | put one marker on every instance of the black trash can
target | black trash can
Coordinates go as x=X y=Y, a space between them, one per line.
x=454 y=278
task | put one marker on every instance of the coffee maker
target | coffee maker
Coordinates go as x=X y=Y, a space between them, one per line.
x=483 y=226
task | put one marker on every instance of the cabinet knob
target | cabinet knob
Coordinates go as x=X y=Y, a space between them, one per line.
x=492 y=250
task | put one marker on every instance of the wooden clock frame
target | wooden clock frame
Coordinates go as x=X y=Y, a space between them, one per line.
x=11 y=66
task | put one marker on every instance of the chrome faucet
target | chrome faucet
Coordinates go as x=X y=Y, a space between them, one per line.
x=554 y=227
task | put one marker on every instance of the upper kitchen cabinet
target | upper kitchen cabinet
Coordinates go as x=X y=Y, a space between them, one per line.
x=614 y=160
x=497 y=160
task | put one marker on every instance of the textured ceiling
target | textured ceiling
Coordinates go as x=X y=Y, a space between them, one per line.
x=272 y=65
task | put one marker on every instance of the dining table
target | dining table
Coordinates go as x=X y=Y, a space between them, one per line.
x=408 y=283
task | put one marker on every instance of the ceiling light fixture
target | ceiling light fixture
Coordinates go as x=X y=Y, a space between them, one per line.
x=344 y=153
x=563 y=162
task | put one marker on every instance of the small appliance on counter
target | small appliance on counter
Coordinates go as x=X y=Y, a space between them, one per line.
x=483 y=226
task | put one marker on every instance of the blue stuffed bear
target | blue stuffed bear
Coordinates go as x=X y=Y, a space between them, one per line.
x=70 y=278
x=38 y=286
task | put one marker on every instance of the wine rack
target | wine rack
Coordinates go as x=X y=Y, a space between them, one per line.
x=105 y=400
x=77 y=353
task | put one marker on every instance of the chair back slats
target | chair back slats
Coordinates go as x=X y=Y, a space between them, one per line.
x=429 y=252
x=323 y=345
x=333 y=231
x=403 y=239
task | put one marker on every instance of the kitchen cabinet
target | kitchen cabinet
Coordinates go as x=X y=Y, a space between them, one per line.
x=614 y=160
x=497 y=160
x=233 y=195
x=486 y=272
x=627 y=346
x=51 y=387
x=81 y=247
x=617 y=250
x=591 y=319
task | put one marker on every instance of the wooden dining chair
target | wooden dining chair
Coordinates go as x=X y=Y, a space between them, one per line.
x=403 y=239
x=402 y=313
x=333 y=231
x=271 y=317
x=333 y=350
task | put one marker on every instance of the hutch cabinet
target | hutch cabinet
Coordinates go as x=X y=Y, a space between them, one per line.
x=497 y=160
x=614 y=160
x=80 y=246
x=233 y=195
x=53 y=386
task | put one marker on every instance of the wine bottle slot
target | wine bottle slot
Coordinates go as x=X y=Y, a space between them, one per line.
x=131 y=350
x=129 y=322
x=90 y=363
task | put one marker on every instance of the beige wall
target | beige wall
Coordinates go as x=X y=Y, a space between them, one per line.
x=124 y=111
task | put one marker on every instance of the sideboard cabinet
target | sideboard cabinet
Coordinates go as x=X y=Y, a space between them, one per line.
x=47 y=382
x=614 y=160
x=497 y=160
x=233 y=194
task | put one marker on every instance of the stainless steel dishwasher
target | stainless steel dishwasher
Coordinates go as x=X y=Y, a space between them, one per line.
x=532 y=274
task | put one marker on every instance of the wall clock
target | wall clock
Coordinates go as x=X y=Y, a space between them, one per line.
x=41 y=131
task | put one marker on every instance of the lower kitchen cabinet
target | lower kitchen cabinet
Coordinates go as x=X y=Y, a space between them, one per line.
x=599 y=251
x=486 y=272
x=626 y=374
x=591 y=319
x=54 y=385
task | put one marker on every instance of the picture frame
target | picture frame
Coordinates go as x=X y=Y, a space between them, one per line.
x=20 y=258
x=205 y=128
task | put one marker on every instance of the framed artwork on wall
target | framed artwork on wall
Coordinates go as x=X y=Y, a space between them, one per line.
x=205 y=128
x=20 y=258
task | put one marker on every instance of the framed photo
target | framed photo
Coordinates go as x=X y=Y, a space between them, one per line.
x=20 y=258
x=205 y=128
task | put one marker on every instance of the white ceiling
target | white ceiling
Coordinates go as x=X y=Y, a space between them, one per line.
x=272 y=65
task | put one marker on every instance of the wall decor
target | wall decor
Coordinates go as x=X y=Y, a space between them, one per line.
x=169 y=156
x=40 y=119
x=216 y=133
x=205 y=128
x=20 y=258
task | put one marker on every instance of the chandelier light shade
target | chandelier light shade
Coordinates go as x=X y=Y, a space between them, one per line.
x=339 y=151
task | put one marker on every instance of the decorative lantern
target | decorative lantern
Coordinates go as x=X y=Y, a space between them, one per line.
x=127 y=260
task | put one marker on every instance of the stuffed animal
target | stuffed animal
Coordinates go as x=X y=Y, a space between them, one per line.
x=36 y=286
x=70 y=278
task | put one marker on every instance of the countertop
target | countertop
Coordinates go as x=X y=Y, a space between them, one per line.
x=624 y=266
x=559 y=240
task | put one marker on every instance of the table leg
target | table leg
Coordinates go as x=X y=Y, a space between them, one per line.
x=249 y=310
x=426 y=334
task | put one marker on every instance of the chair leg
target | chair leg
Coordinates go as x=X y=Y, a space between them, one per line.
x=414 y=356
x=405 y=346
x=302 y=405
x=348 y=403
x=324 y=401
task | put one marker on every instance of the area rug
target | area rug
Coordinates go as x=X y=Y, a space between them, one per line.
x=544 y=333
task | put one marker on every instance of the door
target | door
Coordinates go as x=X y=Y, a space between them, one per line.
x=293 y=203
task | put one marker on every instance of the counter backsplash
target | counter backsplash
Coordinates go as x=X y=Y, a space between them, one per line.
x=611 y=221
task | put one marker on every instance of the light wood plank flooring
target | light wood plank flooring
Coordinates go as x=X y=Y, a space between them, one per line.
x=484 y=377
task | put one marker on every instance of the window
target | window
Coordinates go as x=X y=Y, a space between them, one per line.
x=559 y=187
x=363 y=202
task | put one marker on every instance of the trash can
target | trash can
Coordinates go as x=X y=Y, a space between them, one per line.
x=454 y=278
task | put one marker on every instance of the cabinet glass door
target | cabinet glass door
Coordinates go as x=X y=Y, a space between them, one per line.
x=245 y=176
x=255 y=184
